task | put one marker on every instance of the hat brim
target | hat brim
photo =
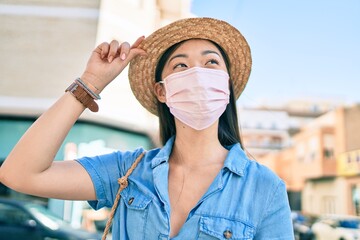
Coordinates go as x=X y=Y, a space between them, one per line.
x=142 y=68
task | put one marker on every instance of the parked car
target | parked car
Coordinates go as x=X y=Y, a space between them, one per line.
x=337 y=228
x=302 y=225
x=24 y=220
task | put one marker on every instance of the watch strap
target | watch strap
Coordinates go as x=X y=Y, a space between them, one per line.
x=83 y=96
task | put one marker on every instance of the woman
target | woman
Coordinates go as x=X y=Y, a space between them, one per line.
x=200 y=184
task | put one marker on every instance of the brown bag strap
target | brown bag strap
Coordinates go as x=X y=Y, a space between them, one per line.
x=123 y=182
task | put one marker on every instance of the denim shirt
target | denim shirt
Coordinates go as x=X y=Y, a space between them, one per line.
x=245 y=201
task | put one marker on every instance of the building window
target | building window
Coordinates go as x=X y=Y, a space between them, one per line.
x=300 y=152
x=328 y=153
x=275 y=142
x=328 y=205
x=328 y=145
x=312 y=156
x=355 y=192
x=312 y=149
x=315 y=108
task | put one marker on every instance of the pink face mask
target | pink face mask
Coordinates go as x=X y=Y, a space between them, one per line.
x=197 y=96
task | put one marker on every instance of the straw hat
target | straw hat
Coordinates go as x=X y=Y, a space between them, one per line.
x=142 y=68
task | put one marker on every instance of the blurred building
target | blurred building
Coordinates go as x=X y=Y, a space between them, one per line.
x=268 y=128
x=318 y=167
x=264 y=131
x=44 y=45
x=339 y=192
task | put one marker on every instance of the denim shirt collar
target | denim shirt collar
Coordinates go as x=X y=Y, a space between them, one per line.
x=164 y=153
x=236 y=160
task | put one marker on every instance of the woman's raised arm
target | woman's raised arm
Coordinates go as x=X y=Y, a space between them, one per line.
x=30 y=168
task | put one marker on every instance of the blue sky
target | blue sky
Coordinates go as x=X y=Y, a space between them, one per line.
x=301 y=49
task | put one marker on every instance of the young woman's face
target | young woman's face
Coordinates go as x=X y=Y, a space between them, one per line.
x=194 y=53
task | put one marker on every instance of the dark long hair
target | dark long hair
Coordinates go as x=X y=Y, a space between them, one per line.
x=228 y=130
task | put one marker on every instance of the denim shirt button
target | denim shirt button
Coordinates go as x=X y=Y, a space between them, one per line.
x=227 y=234
x=130 y=200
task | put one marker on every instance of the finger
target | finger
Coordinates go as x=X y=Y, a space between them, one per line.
x=135 y=52
x=124 y=50
x=103 y=49
x=114 y=45
x=137 y=42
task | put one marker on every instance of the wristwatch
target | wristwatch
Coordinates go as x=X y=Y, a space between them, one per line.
x=83 y=96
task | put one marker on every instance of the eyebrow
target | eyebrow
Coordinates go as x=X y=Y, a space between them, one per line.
x=209 y=52
x=186 y=56
x=178 y=56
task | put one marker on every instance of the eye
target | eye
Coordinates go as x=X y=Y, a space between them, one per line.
x=179 y=65
x=212 y=61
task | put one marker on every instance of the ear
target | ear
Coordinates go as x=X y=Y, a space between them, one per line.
x=159 y=91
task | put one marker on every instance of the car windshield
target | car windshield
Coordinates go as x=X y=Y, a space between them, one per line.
x=46 y=217
x=351 y=223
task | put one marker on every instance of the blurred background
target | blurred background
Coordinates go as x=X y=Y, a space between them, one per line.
x=299 y=114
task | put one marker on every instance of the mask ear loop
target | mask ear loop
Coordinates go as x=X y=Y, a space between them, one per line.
x=162 y=82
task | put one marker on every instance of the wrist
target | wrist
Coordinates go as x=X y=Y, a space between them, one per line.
x=92 y=82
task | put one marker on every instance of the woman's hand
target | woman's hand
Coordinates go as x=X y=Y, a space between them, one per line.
x=108 y=60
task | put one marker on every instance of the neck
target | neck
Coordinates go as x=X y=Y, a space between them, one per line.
x=194 y=148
